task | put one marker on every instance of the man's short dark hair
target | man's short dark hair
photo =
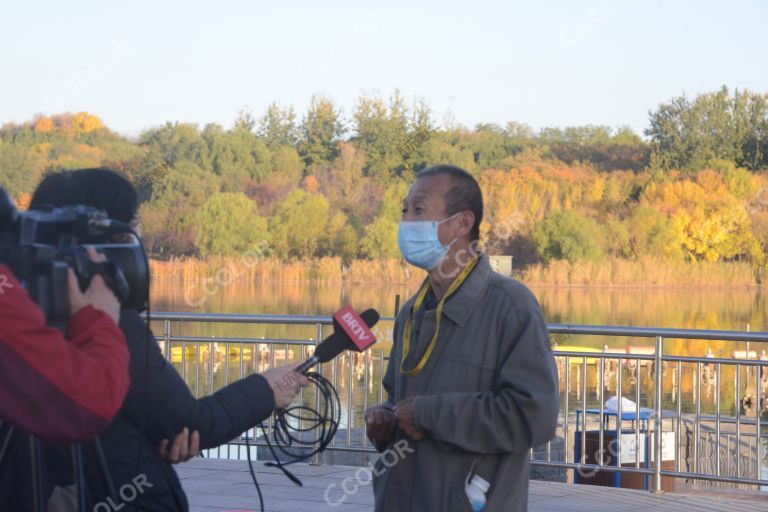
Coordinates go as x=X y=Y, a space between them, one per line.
x=100 y=188
x=464 y=195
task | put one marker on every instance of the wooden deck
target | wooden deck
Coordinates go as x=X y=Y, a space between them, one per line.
x=225 y=485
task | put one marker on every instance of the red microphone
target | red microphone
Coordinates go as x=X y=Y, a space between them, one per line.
x=350 y=332
x=355 y=327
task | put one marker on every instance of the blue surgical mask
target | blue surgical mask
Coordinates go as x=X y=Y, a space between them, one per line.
x=419 y=243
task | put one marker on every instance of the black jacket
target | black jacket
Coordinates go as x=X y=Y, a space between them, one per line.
x=162 y=412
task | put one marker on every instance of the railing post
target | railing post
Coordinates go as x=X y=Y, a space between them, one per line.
x=657 y=423
x=317 y=458
x=167 y=335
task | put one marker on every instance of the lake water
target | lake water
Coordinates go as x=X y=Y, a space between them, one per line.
x=728 y=309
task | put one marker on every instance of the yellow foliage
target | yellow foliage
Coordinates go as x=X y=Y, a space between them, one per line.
x=44 y=148
x=22 y=202
x=86 y=149
x=43 y=124
x=83 y=122
x=650 y=272
x=273 y=269
x=597 y=189
x=311 y=184
x=710 y=223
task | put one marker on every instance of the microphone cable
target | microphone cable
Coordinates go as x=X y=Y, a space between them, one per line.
x=291 y=428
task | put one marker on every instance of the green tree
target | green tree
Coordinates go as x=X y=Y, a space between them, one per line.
x=420 y=132
x=382 y=134
x=617 y=238
x=287 y=165
x=688 y=134
x=380 y=239
x=169 y=218
x=652 y=234
x=237 y=155
x=299 y=225
x=568 y=235
x=341 y=239
x=345 y=185
x=321 y=131
x=174 y=143
x=21 y=168
x=229 y=225
x=278 y=127
x=445 y=149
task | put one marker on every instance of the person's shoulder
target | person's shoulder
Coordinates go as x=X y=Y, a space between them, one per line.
x=518 y=296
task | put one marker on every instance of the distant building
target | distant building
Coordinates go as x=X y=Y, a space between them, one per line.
x=502 y=264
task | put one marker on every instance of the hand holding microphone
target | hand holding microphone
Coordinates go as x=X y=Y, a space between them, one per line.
x=351 y=332
x=286 y=383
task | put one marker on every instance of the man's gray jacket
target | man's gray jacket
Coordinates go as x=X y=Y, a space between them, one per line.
x=488 y=393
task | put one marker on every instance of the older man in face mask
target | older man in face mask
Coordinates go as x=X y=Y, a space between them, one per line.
x=472 y=383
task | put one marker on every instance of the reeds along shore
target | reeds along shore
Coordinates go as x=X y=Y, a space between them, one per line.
x=646 y=272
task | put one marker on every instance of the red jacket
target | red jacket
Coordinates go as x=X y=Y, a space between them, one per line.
x=62 y=390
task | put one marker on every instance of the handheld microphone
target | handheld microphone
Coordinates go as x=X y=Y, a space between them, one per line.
x=350 y=332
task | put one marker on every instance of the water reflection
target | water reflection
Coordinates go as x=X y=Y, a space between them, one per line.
x=729 y=309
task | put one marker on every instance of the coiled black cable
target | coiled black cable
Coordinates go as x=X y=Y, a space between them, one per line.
x=289 y=429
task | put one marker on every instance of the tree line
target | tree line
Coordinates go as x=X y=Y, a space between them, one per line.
x=326 y=184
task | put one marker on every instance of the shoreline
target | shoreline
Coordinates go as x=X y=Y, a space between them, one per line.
x=627 y=286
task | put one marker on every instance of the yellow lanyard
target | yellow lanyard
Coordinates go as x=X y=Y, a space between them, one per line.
x=408 y=333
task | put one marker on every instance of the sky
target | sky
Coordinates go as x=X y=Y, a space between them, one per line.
x=545 y=63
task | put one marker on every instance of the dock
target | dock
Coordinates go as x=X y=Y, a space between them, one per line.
x=214 y=485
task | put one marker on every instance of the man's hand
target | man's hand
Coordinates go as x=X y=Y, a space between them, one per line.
x=380 y=423
x=185 y=446
x=404 y=415
x=285 y=383
x=97 y=295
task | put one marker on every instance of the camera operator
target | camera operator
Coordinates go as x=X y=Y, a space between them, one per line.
x=60 y=389
x=168 y=407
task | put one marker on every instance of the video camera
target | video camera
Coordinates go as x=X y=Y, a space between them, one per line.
x=40 y=245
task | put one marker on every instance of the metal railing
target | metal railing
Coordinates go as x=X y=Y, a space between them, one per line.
x=705 y=439
x=721 y=440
